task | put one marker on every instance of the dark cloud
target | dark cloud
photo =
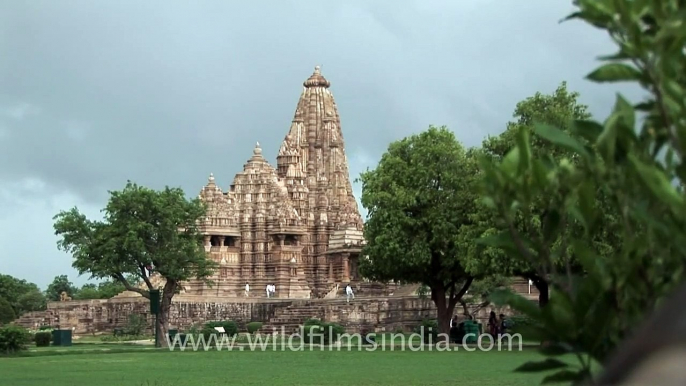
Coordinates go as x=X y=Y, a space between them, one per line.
x=93 y=93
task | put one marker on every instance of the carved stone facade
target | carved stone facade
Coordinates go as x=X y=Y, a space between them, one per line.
x=296 y=226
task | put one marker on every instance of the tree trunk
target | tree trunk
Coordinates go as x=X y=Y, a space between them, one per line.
x=163 y=316
x=444 y=309
x=543 y=294
x=443 y=314
x=541 y=285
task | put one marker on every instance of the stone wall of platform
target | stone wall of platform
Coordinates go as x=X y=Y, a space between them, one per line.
x=103 y=316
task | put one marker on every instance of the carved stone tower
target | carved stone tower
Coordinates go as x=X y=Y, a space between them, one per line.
x=297 y=226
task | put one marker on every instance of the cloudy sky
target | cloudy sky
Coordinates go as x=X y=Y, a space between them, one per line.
x=96 y=92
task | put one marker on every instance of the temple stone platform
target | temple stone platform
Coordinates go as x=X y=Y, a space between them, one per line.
x=392 y=313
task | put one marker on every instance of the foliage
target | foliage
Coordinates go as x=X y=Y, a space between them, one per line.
x=6 y=312
x=253 y=327
x=60 y=284
x=230 y=328
x=33 y=300
x=22 y=295
x=316 y=331
x=418 y=199
x=560 y=108
x=110 y=288
x=480 y=292
x=13 y=339
x=633 y=160
x=42 y=339
x=103 y=290
x=141 y=228
x=87 y=291
x=135 y=325
x=123 y=338
x=428 y=329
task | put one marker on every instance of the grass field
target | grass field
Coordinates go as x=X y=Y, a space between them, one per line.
x=133 y=366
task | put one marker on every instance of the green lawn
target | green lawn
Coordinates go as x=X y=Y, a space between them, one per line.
x=124 y=366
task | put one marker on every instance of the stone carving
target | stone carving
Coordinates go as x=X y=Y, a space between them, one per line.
x=64 y=297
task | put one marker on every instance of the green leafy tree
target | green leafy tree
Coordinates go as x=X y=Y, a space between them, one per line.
x=418 y=198
x=6 y=312
x=560 y=109
x=33 y=300
x=110 y=288
x=21 y=294
x=103 y=290
x=60 y=284
x=87 y=291
x=141 y=227
x=635 y=159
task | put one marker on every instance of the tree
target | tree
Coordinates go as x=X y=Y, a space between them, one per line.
x=561 y=109
x=418 y=198
x=141 y=228
x=110 y=288
x=33 y=300
x=60 y=284
x=87 y=291
x=103 y=290
x=6 y=311
x=21 y=294
x=637 y=163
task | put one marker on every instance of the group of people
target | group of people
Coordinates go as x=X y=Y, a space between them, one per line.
x=497 y=326
x=271 y=290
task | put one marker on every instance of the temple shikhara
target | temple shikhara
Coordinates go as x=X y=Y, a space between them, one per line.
x=296 y=225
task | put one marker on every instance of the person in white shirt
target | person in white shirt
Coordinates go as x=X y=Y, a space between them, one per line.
x=349 y=293
x=247 y=290
x=273 y=289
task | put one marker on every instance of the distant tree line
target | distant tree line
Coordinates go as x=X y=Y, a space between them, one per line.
x=18 y=296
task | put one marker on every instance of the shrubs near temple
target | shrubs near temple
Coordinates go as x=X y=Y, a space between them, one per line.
x=43 y=338
x=13 y=339
x=316 y=331
x=253 y=327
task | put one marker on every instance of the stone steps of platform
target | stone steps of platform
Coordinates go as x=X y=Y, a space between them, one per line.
x=34 y=319
x=292 y=317
x=406 y=290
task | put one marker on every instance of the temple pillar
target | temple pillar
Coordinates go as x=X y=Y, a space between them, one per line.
x=207 y=243
x=346 y=267
x=221 y=240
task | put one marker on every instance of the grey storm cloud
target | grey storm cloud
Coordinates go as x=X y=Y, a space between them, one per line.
x=94 y=93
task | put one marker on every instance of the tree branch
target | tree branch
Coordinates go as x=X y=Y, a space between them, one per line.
x=144 y=276
x=129 y=287
x=452 y=300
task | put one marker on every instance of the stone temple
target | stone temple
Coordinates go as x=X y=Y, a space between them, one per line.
x=296 y=225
